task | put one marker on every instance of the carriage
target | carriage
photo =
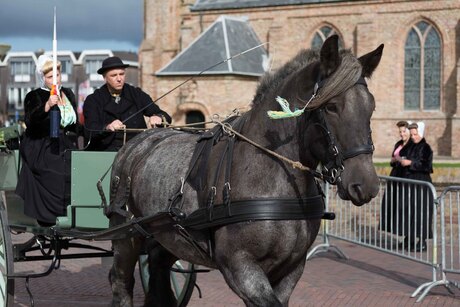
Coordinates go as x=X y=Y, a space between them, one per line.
x=243 y=198
x=74 y=234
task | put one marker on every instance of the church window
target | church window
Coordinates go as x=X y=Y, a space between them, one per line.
x=321 y=35
x=422 y=68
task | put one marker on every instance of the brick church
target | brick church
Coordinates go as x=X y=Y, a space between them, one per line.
x=418 y=78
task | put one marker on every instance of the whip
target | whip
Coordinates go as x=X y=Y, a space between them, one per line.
x=193 y=77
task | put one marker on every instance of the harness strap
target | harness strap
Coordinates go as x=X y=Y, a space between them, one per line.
x=200 y=149
x=198 y=165
x=226 y=190
x=212 y=191
x=256 y=210
x=363 y=149
x=190 y=239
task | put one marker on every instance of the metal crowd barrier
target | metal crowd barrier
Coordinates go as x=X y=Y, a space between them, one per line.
x=404 y=213
x=450 y=236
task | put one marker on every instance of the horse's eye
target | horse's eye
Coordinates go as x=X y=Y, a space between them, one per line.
x=331 y=107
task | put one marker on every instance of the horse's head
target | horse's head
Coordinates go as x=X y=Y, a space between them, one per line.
x=338 y=119
x=335 y=127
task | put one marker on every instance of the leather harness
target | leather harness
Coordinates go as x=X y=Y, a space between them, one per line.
x=213 y=215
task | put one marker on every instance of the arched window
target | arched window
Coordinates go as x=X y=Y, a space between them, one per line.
x=195 y=117
x=422 y=68
x=321 y=35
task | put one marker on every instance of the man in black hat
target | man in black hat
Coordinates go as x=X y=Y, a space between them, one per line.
x=117 y=105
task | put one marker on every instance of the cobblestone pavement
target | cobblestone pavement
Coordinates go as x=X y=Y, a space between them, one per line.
x=368 y=278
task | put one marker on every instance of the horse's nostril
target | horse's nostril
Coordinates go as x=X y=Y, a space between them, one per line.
x=356 y=187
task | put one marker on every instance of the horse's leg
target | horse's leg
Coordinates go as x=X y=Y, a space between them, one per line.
x=160 y=261
x=248 y=281
x=285 y=286
x=121 y=276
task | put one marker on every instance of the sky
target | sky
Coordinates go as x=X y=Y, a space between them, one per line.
x=27 y=25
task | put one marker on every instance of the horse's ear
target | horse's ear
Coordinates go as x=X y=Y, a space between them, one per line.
x=329 y=55
x=370 y=61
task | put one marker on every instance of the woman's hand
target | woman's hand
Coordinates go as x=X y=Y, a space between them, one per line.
x=405 y=162
x=52 y=101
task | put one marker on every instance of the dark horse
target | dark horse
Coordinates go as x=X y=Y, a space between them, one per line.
x=261 y=259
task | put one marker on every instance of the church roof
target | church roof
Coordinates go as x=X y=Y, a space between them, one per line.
x=226 y=37
x=202 y=5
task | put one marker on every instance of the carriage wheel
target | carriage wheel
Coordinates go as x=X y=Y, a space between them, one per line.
x=6 y=259
x=181 y=283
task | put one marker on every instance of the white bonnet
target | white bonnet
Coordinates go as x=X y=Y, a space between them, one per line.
x=420 y=126
x=44 y=62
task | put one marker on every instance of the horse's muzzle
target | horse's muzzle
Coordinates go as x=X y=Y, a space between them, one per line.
x=358 y=193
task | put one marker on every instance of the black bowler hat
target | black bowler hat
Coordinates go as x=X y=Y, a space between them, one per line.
x=111 y=63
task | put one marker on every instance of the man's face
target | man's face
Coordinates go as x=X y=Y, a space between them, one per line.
x=115 y=79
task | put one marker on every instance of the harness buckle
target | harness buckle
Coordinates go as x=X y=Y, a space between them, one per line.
x=335 y=150
x=182 y=180
x=228 y=129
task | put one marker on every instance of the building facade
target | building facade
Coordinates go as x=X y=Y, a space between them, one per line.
x=78 y=72
x=418 y=77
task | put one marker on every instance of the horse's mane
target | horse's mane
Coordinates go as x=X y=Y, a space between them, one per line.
x=271 y=80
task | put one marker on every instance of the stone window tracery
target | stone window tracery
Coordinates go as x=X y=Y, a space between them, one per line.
x=321 y=35
x=422 y=68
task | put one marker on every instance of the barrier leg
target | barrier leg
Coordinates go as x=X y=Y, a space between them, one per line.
x=430 y=285
x=326 y=247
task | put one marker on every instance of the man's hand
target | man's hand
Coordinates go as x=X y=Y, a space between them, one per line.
x=115 y=125
x=155 y=120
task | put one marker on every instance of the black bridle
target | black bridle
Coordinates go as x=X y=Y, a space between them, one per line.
x=332 y=170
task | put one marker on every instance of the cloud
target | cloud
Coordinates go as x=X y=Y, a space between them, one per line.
x=82 y=20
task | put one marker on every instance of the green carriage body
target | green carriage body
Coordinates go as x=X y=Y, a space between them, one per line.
x=84 y=211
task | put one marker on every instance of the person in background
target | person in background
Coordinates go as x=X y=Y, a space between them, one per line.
x=117 y=105
x=44 y=179
x=393 y=201
x=400 y=149
x=419 y=163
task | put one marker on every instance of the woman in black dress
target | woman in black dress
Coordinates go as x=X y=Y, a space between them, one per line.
x=419 y=163
x=393 y=200
x=44 y=180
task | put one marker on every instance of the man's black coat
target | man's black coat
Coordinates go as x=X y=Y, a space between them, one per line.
x=100 y=109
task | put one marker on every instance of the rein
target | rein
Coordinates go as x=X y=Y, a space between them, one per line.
x=226 y=127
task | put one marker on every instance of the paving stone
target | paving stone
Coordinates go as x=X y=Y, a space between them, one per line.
x=368 y=278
